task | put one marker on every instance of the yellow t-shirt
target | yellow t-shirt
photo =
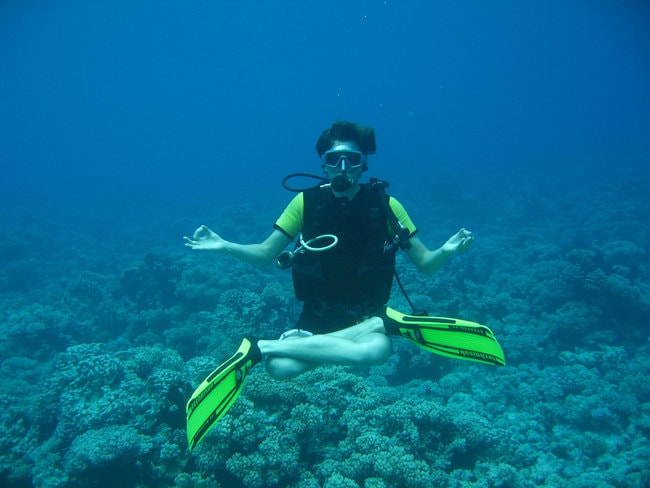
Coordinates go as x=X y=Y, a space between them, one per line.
x=291 y=221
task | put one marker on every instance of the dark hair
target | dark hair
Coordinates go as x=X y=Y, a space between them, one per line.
x=342 y=130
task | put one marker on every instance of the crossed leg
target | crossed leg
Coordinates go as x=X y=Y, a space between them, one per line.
x=363 y=344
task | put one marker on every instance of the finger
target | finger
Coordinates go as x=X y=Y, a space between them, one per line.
x=198 y=232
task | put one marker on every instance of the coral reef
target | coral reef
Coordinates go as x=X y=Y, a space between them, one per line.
x=101 y=352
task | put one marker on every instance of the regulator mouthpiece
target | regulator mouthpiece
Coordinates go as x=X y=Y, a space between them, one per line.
x=341 y=183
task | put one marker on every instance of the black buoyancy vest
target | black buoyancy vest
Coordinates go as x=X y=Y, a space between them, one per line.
x=359 y=269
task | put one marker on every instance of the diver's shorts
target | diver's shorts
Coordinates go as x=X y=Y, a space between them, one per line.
x=323 y=318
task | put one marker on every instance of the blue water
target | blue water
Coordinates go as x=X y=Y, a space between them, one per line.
x=125 y=125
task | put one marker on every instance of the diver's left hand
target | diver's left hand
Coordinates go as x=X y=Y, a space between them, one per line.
x=461 y=241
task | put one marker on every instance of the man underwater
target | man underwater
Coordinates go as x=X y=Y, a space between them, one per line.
x=344 y=285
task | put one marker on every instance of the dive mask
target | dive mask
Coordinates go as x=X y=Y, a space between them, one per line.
x=334 y=157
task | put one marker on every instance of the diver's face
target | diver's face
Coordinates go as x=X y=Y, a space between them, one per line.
x=344 y=158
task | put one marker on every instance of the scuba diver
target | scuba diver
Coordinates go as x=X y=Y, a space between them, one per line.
x=343 y=265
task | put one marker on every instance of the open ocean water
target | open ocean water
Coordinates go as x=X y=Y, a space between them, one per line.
x=126 y=125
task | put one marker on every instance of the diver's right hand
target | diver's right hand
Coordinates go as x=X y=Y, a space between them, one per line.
x=204 y=239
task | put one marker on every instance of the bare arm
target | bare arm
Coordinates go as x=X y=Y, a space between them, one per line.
x=261 y=254
x=429 y=261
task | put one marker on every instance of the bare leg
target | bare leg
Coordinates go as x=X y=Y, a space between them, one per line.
x=363 y=344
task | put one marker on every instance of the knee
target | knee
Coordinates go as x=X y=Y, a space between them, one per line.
x=282 y=369
x=379 y=350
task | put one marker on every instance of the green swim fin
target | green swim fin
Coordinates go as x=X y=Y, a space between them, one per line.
x=453 y=338
x=216 y=394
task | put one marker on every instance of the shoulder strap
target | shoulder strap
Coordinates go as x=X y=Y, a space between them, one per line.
x=316 y=206
x=400 y=233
